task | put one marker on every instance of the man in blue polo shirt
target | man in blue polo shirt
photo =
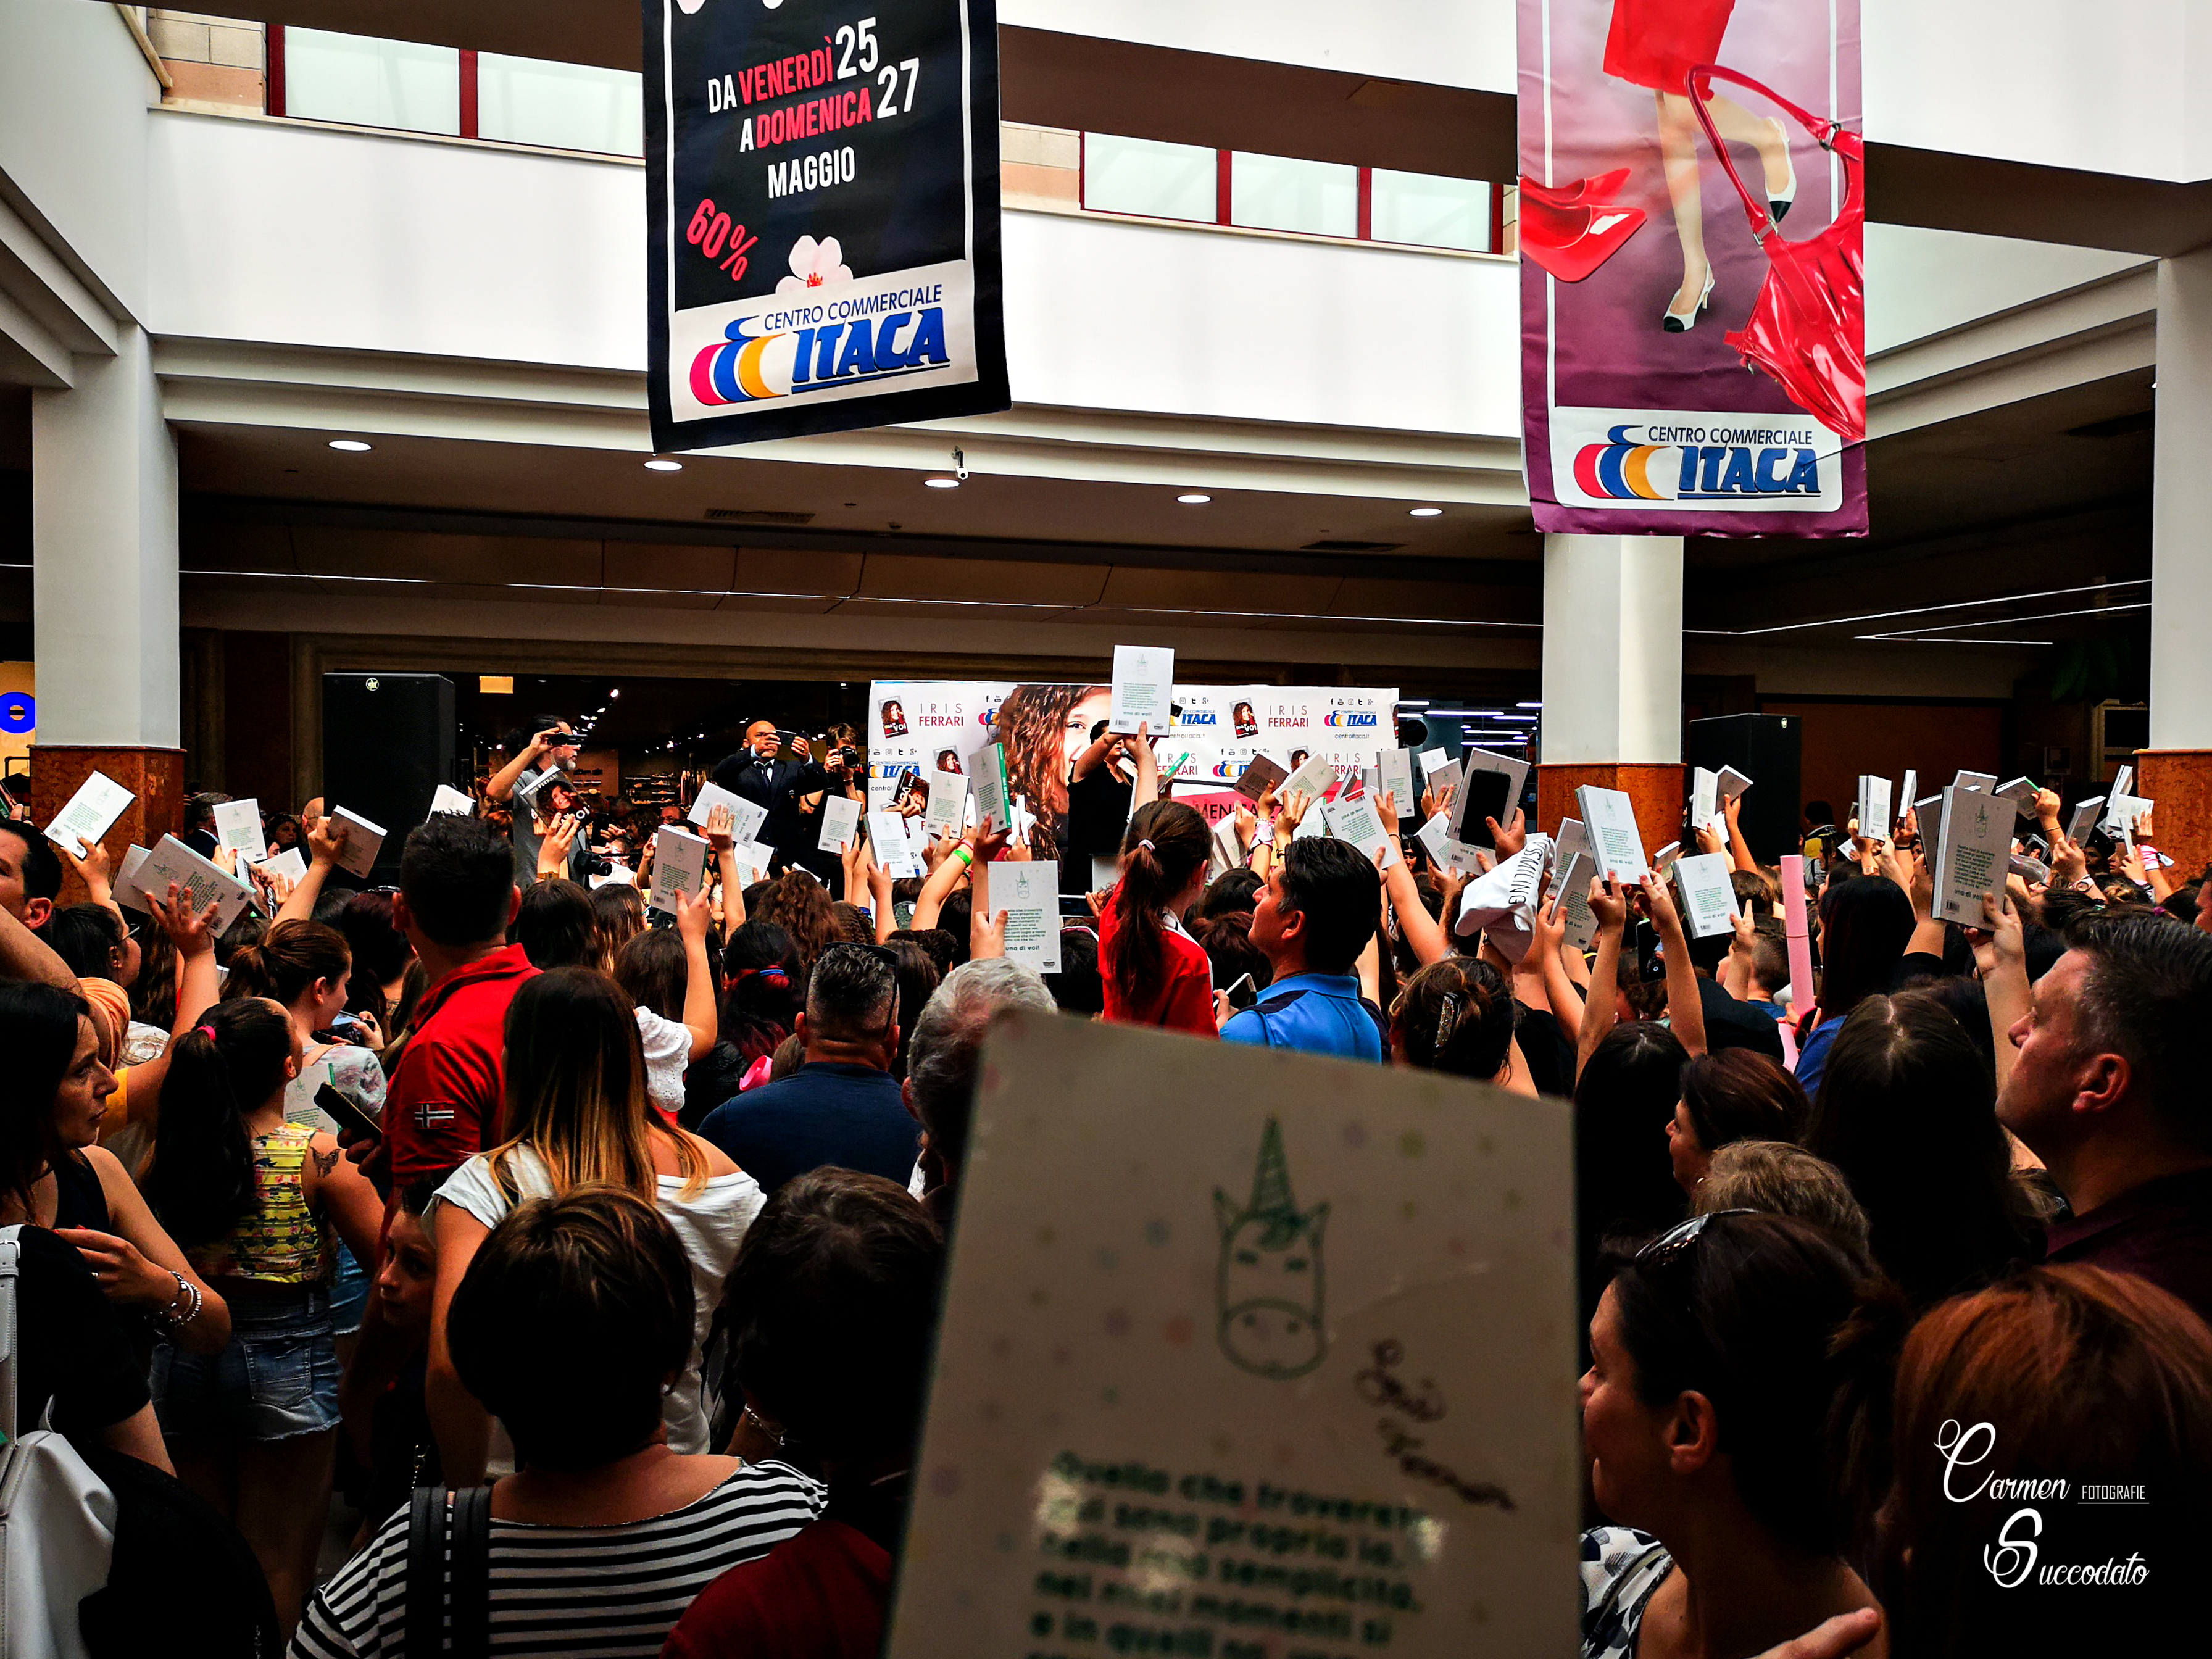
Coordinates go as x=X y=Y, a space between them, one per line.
x=843 y=1107
x=1313 y=919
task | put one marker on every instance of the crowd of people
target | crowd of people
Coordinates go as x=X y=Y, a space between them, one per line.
x=497 y=1172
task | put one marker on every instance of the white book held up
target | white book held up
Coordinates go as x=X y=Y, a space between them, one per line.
x=291 y=864
x=1705 y=796
x=128 y=893
x=449 y=802
x=1609 y=820
x=363 y=842
x=90 y=814
x=1143 y=689
x=1708 y=902
x=948 y=805
x=746 y=817
x=1029 y=892
x=201 y=880
x=1874 y=807
x=679 y=865
x=1974 y=855
x=1395 y=767
x=1456 y=856
x=987 y=771
x=841 y=817
x=894 y=853
x=1978 y=783
x=237 y=829
x=1355 y=820
x=1572 y=897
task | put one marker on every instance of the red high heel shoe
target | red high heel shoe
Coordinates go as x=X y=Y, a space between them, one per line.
x=1572 y=241
x=1599 y=188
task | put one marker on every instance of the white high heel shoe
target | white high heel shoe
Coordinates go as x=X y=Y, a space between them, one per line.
x=1778 y=202
x=1675 y=322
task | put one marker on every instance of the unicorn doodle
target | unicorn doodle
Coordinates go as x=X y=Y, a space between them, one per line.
x=1268 y=1292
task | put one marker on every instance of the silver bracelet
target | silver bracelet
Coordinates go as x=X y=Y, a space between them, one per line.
x=186 y=1293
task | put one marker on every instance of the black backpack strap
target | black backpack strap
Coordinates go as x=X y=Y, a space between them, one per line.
x=439 y=1516
x=470 y=1600
x=426 y=1571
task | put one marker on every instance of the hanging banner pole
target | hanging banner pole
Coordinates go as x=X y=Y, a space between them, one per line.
x=822 y=210
x=1691 y=222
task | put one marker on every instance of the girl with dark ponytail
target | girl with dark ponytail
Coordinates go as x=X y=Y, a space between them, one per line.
x=1457 y=1016
x=1155 y=973
x=253 y=1200
x=306 y=968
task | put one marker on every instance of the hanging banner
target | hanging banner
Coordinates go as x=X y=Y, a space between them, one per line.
x=922 y=727
x=823 y=192
x=1692 y=207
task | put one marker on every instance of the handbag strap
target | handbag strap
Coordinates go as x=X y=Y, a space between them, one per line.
x=449 y=1571
x=1838 y=140
x=11 y=1249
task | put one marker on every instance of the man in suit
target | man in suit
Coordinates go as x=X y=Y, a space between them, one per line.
x=755 y=773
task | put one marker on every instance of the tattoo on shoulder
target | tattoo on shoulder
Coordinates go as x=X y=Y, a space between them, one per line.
x=326 y=1163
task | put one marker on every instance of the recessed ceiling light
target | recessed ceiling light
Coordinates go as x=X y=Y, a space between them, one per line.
x=1194 y=500
x=351 y=446
x=942 y=483
x=662 y=463
x=1425 y=512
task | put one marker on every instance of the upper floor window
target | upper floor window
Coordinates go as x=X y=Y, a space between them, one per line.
x=1429 y=210
x=1144 y=175
x=1147 y=177
x=324 y=75
x=371 y=83
x=1275 y=192
x=531 y=100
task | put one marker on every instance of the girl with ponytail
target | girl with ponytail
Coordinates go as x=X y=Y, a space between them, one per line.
x=306 y=967
x=1155 y=973
x=253 y=1200
x=1457 y=1016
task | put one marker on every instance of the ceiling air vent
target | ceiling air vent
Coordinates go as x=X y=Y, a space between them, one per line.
x=755 y=515
x=1352 y=547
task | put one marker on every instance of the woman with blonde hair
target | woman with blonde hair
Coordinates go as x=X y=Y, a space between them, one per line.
x=577 y=1115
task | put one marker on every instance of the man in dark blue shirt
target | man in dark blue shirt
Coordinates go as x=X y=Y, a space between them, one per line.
x=842 y=1108
x=1316 y=913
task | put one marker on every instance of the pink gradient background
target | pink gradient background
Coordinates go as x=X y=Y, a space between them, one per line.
x=1612 y=351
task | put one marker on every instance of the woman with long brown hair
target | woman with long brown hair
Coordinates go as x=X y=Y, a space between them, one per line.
x=1044 y=728
x=1155 y=973
x=577 y=1115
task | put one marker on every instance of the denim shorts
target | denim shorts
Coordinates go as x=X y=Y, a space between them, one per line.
x=276 y=1377
x=348 y=1294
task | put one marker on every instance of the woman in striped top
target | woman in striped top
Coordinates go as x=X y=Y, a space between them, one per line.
x=575 y=1315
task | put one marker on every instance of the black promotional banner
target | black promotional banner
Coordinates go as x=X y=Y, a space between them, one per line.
x=823 y=178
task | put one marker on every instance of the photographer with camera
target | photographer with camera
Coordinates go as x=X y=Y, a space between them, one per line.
x=840 y=759
x=755 y=773
x=527 y=779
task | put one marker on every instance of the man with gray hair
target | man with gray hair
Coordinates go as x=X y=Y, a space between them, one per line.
x=842 y=1108
x=941 y=1060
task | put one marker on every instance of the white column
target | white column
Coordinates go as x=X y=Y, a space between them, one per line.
x=104 y=555
x=1612 y=650
x=2181 y=508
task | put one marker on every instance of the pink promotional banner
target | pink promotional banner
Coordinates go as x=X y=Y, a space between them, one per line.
x=1692 y=289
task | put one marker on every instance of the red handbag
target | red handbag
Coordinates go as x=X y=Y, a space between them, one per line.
x=1808 y=329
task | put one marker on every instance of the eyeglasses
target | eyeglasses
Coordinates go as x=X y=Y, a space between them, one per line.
x=1677 y=1239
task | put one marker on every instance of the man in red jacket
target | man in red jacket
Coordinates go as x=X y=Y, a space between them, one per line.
x=457 y=895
